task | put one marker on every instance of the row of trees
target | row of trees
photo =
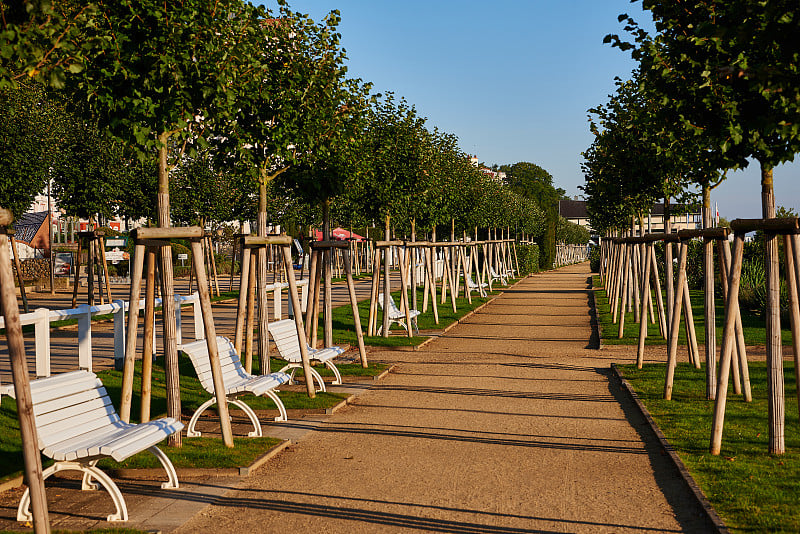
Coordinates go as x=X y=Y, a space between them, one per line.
x=233 y=111
x=716 y=87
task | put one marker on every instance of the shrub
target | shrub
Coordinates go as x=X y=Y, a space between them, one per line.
x=528 y=257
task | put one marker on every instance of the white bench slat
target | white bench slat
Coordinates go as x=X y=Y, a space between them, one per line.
x=63 y=430
x=78 y=446
x=132 y=441
x=77 y=398
x=98 y=403
x=62 y=388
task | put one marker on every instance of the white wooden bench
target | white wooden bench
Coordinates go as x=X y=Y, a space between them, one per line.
x=493 y=276
x=284 y=334
x=472 y=286
x=237 y=382
x=398 y=316
x=77 y=425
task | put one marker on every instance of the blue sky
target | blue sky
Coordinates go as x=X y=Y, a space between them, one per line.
x=511 y=78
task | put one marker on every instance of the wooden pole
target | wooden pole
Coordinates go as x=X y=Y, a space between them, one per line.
x=298 y=321
x=691 y=334
x=101 y=245
x=625 y=293
x=672 y=353
x=312 y=284
x=19 y=274
x=404 y=293
x=251 y=314
x=351 y=290
x=211 y=341
x=731 y=311
x=32 y=460
x=739 y=356
x=263 y=314
x=386 y=281
x=147 y=343
x=373 y=296
x=662 y=321
x=132 y=334
x=213 y=263
x=242 y=302
x=315 y=293
x=709 y=304
x=77 y=277
x=432 y=283
x=794 y=304
x=648 y=252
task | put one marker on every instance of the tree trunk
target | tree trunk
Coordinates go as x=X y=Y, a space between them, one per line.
x=774 y=353
x=261 y=268
x=710 y=310
x=172 y=376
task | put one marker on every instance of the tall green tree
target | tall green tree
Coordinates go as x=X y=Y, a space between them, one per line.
x=532 y=181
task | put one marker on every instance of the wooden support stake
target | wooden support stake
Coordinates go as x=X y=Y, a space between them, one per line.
x=351 y=290
x=147 y=343
x=132 y=333
x=211 y=341
x=19 y=275
x=648 y=252
x=672 y=353
x=298 y=321
x=404 y=294
x=251 y=314
x=790 y=243
x=242 y=302
x=32 y=460
x=734 y=278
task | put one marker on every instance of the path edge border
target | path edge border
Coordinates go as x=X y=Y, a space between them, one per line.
x=702 y=500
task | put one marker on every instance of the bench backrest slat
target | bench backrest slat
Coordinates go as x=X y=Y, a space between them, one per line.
x=284 y=333
x=230 y=363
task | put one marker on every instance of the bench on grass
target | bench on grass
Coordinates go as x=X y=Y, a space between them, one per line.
x=397 y=316
x=237 y=382
x=472 y=286
x=77 y=425
x=284 y=334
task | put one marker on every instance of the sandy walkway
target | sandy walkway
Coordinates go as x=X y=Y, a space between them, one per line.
x=509 y=423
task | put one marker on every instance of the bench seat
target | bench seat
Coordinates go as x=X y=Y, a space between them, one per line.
x=236 y=380
x=77 y=425
x=284 y=334
x=397 y=316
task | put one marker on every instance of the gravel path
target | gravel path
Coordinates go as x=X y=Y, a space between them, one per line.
x=511 y=422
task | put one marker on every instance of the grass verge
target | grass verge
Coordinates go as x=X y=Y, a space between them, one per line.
x=751 y=490
x=753 y=325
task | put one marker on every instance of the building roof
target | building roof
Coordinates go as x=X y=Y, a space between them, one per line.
x=576 y=209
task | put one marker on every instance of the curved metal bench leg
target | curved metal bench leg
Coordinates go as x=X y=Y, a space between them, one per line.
x=24 y=513
x=279 y=403
x=172 y=476
x=190 y=431
x=293 y=367
x=87 y=483
x=256 y=433
x=337 y=375
x=316 y=376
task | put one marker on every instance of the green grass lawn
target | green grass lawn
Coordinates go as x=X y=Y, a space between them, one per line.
x=750 y=489
x=753 y=324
